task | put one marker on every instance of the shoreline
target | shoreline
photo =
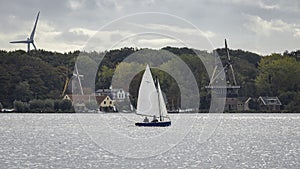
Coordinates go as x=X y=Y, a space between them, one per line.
x=134 y=113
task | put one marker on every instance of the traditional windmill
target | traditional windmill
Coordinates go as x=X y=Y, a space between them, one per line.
x=230 y=87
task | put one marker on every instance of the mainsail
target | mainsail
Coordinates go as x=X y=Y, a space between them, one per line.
x=148 y=102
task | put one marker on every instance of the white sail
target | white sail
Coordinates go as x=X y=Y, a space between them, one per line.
x=162 y=104
x=147 y=103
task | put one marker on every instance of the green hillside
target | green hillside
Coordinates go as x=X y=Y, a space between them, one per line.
x=41 y=75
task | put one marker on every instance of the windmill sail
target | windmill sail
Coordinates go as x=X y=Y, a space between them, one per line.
x=148 y=103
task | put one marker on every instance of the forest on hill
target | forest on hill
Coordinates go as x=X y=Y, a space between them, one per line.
x=27 y=78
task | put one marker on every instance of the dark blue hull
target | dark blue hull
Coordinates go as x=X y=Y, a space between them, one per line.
x=154 y=124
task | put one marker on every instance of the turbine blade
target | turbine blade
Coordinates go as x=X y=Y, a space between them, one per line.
x=34 y=45
x=28 y=47
x=19 y=41
x=33 y=30
x=76 y=70
x=80 y=85
x=78 y=76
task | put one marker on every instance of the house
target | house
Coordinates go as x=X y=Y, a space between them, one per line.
x=231 y=104
x=243 y=103
x=104 y=92
x=269 y=103
x=237 y=104
x=106 y=104
x=104 y=101
x=118 y=95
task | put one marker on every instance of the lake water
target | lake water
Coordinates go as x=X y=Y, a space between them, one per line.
x=112 y=141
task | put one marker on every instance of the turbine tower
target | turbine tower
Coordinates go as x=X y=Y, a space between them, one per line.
x=30 y=40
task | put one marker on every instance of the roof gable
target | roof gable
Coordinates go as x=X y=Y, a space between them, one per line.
x=100 y=99
x=270 y=100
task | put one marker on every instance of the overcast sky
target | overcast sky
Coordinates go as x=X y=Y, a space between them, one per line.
x=262 y=26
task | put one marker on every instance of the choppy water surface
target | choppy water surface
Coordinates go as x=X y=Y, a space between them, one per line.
x=239 y=141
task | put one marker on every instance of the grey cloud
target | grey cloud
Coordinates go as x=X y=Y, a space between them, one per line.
x=72 y=37
x=223 y=17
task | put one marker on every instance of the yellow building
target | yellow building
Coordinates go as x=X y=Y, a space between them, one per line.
x=106 y=104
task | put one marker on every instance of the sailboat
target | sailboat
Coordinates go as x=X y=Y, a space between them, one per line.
x=151 y=102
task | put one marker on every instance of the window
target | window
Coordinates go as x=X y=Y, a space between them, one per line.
x=110 y=102
x=104 y=102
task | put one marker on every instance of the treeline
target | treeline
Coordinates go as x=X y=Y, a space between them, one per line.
x=36 y=75
x=41 y=75
x=43 y=106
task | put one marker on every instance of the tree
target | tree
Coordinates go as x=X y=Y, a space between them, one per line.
x=293 y=105
x=41 y=74
x=49 y=105
x=278 y=74
x=65 y=105
x=36 y=105
x=104 y=76
x=23 y=92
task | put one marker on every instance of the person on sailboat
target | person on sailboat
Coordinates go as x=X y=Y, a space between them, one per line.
x=154 y=119
x=146 y=120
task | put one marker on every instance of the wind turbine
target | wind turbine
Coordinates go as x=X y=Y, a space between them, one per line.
x=30 y=40
x=78 y=76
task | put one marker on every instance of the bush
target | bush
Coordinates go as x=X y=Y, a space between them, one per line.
x=56 y=105
x=49 y=105
x=21 y=107
x=62 y=106
x=65 y=105
x=36 y=106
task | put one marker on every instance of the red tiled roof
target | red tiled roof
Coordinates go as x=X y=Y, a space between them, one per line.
x=100 y=98
x=85 y=98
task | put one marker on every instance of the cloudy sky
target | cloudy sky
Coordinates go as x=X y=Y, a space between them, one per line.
x=262 y=26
